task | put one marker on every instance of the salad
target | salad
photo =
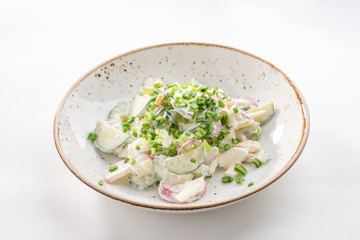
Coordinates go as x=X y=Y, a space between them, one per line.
x=174 y=136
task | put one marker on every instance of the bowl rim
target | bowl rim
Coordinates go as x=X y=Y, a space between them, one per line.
x=288 y=165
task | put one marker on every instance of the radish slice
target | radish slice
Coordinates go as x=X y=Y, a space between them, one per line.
x=122 y=171
x=138 y=167
x=216 y=129
x=188 y=146
x=211 y=156
x=183 y=193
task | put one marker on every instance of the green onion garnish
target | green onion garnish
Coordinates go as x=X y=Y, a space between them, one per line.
x=131 y=120
x=172 y=149
x=250 y=184
x=92 y=136
x=225 y=118
x=165 y=101
x=220 y=137
x=193 y=146
x=101 y=182
x=227 y=147
x=256 y=162
x=187 y=134
x=200 y=133
x=215 y=117
x=206 y=146
x=239 y=180
x=224 y=132
x=132 y=162
x=137 y=147
x=200 y=119
x=186 y=96
x=221 y=104
x=157 y=85
x=240 y=169
x=235 y=109
x=159 y=149
x=227 y=179
x=113 y=168
x=234 y=141
x=126 y=160
x=193 y=160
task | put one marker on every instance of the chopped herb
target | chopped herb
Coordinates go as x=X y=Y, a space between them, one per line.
x=240 y=169
x=101 y=182
x=227 y=147
x=92 y=136
x=235 y=109
x=126 y=160
x=220 y=137
x=224 y=132
x=132 y=162
x=193 y=160
x=137 y=148
x=200 y=119
x=159 y=149
x=215 y=117
x=228 y=126
x=157 y=85
x=172 y=150
x=193 y=146
x=227 y=179
x=186 y=96
x=165 y=101
x=239 y=180
x=187 y=134
x=225 y=118
x=206 y=146
x=256 y=162
x=113 y=168
x=250 y=184
x=200 y=133
x=221 y=104
x=234 y=141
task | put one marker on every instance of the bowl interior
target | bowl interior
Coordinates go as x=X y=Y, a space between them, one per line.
x=236 y=72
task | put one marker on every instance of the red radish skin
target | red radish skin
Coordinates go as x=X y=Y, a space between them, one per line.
x=211 y=156
x=188 y=146
x=168 y=192
x=216 y=129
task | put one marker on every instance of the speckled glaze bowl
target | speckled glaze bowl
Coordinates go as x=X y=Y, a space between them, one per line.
x=235 y=71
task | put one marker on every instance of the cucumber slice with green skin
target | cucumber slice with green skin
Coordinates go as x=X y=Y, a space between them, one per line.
x=182 y=164
x=143 y=182
x=120 y=111
x=163 y=174
x=109 y=138
x=263 y=113
x=138 y=105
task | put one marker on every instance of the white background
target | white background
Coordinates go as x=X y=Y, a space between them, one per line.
x=45 y=46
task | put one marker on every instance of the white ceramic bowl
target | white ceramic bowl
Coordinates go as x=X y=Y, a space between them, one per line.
x=235 y=71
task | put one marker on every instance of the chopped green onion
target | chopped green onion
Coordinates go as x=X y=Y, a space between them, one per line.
x=250 y=184
x=101 y=182
x=186 y=96
x=187 y=134
x=126 y=160
x=221 y=104
x=220 y=137
x=172 y=149
x=194 y=106
x=225 y=118
x=166 y=153
x=159 y=149
x=228 y=126
x=206 y=146
x=227 y=147
x=256 y=162
x=92 y=136
x=240 y=169
x=239 y=180
x=157 y=85
x=224 y=132
x=165 y=101
x=200 y=133
x=193 y=146
x=184 y=149
x=153 y=99
x=227 y=179
x=157 y=91
x=200 y=119
x=113 y=168
x=132 y=162
x=234 y=141
x=215 y=117
x=193 y=160
x=235 y=109
x=204 y=88
x=137 y=147
x=170 y=85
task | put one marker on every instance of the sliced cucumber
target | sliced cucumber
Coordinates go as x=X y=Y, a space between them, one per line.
x=108 y=137
x=120 y=111
x=183 y=164
x=144 y=181
x=138 y=105
x=163 y=174
x=185 y=112
x=263 y=113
